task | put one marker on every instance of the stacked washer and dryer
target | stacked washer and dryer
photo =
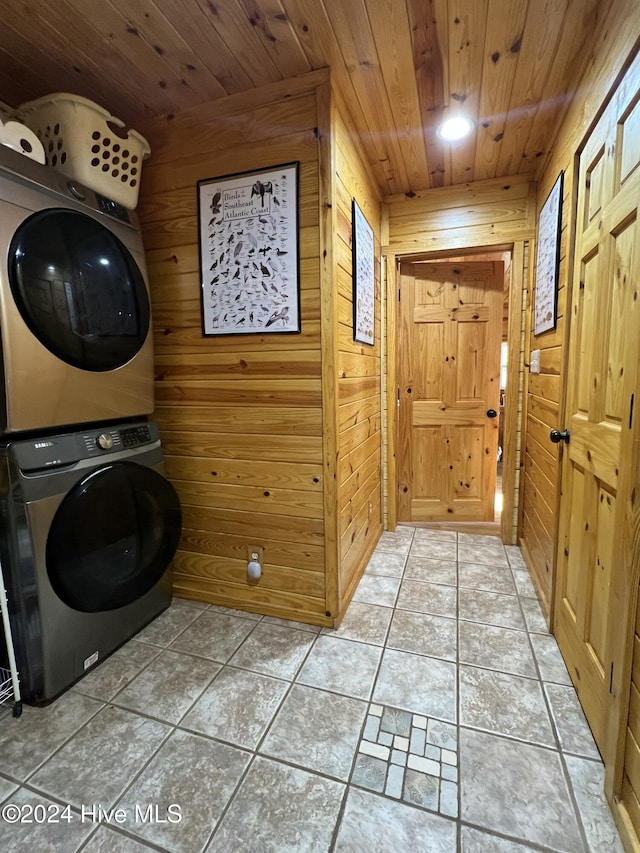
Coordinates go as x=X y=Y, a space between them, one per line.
x=88 y=522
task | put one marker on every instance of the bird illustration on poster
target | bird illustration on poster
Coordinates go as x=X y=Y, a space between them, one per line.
x=249 y=259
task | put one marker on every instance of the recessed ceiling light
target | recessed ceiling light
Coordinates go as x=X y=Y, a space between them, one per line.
x=455 y=128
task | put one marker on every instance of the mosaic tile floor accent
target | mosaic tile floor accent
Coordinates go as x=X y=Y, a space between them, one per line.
x=410 y=757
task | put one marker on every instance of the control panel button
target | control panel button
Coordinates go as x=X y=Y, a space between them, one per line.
x=112 y=208
x=135 y=436
x=104 y=441
x=76 y=191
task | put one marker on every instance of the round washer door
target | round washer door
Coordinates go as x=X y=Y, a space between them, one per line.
x=78 y=289
x=113 y=537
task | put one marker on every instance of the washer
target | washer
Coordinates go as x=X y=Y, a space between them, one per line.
x=74 y=300
x=90 y=528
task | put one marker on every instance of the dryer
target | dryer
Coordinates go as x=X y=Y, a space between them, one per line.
x=90 y=526
x=74 y=301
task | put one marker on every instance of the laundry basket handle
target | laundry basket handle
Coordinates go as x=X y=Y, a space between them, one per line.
x=118 y=128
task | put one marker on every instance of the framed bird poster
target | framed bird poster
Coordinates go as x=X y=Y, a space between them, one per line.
x=249 y=252
x=364 y=284
x=548 y=260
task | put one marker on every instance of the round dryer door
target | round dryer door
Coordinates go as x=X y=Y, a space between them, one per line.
x=78 y=289
x=113 y=537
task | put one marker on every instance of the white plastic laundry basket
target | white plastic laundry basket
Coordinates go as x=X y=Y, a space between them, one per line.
x=85 y=142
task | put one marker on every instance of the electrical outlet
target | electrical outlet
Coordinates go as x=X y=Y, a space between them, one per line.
x=255 y=553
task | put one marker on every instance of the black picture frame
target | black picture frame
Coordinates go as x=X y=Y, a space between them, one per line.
x=248 y=240
x=548 y=260
x=363 y=275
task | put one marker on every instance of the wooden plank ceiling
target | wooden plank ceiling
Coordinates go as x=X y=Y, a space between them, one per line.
x=402 y=65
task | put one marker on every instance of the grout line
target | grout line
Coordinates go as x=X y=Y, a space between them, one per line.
x=458 y=701
x=256 y=749
x=374 y=682
x=89 y=719
x=339 y=816
x=556 y=733
x=513 y=839
x=285 y=696
x=216 y=826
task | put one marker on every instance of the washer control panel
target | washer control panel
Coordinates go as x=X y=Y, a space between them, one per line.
x=118 y=438
x=69 y=448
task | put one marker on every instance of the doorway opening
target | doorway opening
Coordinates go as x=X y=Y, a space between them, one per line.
x=506 y=340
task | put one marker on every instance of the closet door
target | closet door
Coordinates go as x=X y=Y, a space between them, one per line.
x=448 y=395
x=599 y=522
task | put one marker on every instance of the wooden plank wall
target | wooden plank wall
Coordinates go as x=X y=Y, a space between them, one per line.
x=240 y=416
x=359 y=372
x=540 y=474
x=545 y=392
x=484 y=214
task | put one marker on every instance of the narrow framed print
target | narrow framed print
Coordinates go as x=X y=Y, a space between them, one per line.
x=364 y=282
x=249 y=252
x=548 y=260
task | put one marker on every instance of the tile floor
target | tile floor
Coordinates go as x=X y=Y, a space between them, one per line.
x=438 y=718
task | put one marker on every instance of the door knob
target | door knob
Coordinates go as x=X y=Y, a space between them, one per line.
x=491 y=413
x=556 y=436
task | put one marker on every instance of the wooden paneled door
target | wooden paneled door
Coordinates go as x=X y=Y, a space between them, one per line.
x=450 y=317
x=596 y=532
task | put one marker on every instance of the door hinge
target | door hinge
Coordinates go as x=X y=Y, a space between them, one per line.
x=611 y=679
x=631 y=410
x=398 y=294
x=398 y=398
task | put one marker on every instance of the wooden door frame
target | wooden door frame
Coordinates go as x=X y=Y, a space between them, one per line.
x=512 y=402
